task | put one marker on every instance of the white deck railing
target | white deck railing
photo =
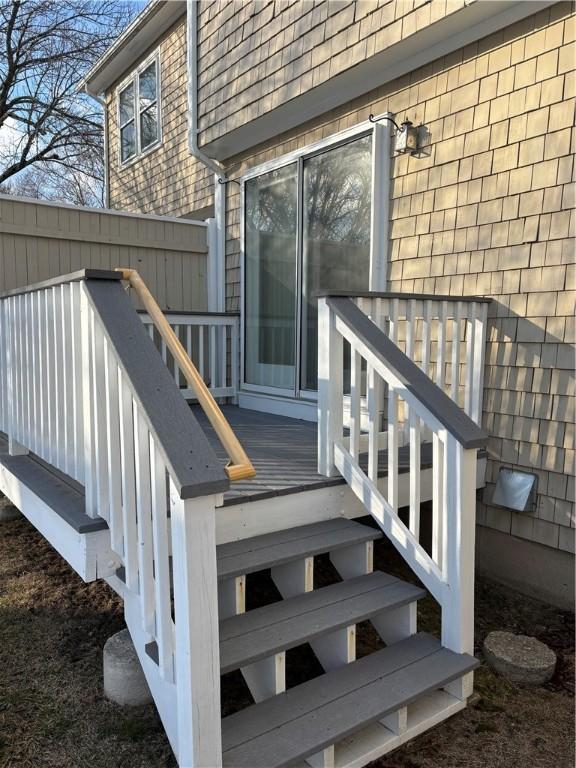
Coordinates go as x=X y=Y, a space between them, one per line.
x=444 y=336
x=211 y=341
x=83 y=388
x=391 y=383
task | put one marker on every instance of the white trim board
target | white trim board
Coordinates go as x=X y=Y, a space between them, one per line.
x=468 y=24
x=89 y=554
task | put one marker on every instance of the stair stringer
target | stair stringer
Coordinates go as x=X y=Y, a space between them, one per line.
x=163 y=692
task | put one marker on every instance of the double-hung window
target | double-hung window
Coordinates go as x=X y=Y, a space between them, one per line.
x=138 y=112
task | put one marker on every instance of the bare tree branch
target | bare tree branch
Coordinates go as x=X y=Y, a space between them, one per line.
x=46 y=47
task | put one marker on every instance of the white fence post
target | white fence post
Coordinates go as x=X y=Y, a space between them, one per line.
x=460 y=516
x=197 y=658
x=330 y=401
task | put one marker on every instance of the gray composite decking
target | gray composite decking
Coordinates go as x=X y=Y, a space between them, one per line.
x=284 y=453
x=287 y=728
x=237 y=558
x=262 y=632
x=60 y=492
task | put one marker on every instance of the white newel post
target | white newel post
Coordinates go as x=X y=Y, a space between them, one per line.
x=460 y=509
x=330 y=405
x=197 y=662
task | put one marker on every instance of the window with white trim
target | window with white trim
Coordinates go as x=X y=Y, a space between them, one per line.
x=138 y=112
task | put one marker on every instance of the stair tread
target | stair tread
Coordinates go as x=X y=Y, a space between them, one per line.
x=260 y=552
x=258 y=634
x=302 y=721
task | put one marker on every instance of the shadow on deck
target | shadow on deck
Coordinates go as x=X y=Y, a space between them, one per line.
x=284 y=453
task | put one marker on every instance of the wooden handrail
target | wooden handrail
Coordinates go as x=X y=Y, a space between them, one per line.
x=240 y=466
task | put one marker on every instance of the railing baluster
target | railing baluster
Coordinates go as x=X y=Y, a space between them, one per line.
x=455 y=377
x=437 y=500
x=50 y=392
x=355 y=394
x=426 y=321
x=373 y=423
x=470 y=357
x=67 y=322
x=99 y=436
x=127 y=463
x=76 y=338
x=90 y=489
x=59 y=414
x=201 y=366
x=164 y=631
x=415 y=465
x=393 y=449
x=174 y=363
x=441 y=349
x=144 y=521
x=189 y=340
x=115 y=468
x=213 y=356
x=224 y=355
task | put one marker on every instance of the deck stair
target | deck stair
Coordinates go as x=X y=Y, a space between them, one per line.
x=101 y=452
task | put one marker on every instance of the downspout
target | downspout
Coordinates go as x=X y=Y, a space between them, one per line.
x=217 y=233
x=104 y=106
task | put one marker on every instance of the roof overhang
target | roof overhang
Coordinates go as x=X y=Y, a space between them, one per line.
x=462 y=27
x=143 y=32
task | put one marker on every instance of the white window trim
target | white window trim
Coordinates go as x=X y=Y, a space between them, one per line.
x=379 y=231
x=134 y=80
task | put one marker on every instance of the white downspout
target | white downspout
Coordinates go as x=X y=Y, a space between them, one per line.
x=104 y=106
x=216 y=231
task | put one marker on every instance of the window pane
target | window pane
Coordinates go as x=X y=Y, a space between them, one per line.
x=149 y=126
x=336 y=236
x=147 y=86
x=270 y=274
x=127 y=104
x=128 y=141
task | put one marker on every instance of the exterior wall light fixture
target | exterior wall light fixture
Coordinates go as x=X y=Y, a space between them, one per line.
x=406 y=141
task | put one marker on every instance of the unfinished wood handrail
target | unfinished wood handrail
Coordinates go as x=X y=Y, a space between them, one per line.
x=240 y=466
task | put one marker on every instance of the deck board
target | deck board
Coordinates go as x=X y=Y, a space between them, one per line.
x=284 y=453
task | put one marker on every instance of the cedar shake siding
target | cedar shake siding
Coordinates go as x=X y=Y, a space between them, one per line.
x=489 y=211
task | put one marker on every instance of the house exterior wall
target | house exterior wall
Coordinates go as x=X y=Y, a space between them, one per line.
x=40 y=240
x=488 y=212
x=167 y=180
x=255 y=56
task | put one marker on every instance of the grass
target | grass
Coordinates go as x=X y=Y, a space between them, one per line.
x=53 y=715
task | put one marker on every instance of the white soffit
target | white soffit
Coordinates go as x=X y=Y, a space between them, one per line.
x=468 y=24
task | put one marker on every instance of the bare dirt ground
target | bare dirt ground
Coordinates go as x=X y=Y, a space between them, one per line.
x=52 y=712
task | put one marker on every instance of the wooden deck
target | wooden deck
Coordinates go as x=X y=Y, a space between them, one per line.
x=284 y=453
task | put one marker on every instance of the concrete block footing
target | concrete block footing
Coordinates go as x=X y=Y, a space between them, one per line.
x=124 y=680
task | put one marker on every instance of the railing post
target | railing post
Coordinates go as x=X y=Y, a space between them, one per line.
x=330 y=405
x=460 y=511
x=197 y=658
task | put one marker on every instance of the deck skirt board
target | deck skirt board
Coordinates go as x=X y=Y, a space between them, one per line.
x=260 y=552
x=326 y=710
x=260 y=633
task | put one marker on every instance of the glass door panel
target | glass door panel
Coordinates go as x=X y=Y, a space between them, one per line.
x=271 y=213
x=337 y=188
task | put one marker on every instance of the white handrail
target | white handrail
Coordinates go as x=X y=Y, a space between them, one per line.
x=392 y=383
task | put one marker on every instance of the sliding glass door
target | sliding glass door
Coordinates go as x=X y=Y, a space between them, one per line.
x=307 y=228
x=270 y=299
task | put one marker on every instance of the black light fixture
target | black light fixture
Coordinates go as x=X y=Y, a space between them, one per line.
x=406 y=139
